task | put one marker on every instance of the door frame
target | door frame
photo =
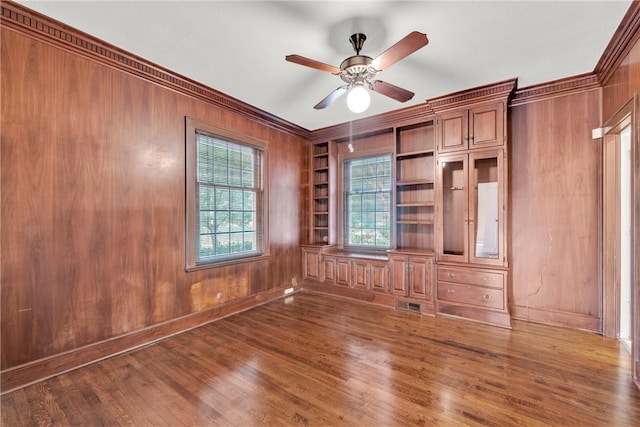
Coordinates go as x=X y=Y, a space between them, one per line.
x=625 y=116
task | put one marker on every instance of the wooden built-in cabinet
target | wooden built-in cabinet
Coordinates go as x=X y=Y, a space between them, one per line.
x=312 y=263
x=335 y=270
x=320 y=186
x=400 y=279
x=370 y=275
x=412 y=276
x=449 y=246
x=471 y=204
x=324 y=264
x=471 y=207
x=414 y=192
x=411 y=261
x=470 y=128
x=477 y=294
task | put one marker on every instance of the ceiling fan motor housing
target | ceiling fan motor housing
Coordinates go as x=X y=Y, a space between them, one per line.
x=357 y=66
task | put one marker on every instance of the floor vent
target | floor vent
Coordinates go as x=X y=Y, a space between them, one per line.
x=406 y=305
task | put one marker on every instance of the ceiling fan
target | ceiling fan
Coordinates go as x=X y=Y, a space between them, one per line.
x=359 y=70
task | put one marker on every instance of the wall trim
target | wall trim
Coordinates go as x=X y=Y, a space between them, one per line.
x=35 y=25
x=38 y=370
x=623 y=40
x=556 y=88
x=557 y=318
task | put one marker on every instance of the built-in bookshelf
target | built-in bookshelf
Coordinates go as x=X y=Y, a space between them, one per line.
x=415 y=172
x=320 y=187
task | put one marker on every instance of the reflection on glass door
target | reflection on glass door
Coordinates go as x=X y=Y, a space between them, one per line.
x=485 y=173
x=454 y=206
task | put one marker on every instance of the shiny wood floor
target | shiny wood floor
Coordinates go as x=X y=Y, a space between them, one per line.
x=322 y=361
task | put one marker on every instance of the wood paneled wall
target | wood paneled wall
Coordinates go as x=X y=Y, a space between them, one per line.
x=92 y=200
x=93 y=193
x=555 y=211
x=623 y=83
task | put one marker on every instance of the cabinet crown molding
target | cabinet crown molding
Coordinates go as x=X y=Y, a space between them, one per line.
x=492 y=92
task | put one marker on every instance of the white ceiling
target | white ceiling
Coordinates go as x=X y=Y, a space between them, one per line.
x=238 y=47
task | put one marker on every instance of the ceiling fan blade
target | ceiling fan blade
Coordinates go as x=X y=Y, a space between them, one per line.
x=405 y=47
x=297 y=59
x=391 y=91
x=333 y=96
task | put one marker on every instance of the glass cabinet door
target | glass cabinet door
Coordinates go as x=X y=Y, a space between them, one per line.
x=486 y=213
x=453 y=213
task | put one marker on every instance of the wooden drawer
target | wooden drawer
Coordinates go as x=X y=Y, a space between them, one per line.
x=470 y=277
x=470 y=294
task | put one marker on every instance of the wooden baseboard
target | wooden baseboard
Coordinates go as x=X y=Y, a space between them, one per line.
x=481 y=315
x=557 y=318
x=38 y=370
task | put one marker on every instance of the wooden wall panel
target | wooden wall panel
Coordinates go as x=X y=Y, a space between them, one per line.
x=554 y=211
x=92 y=212
x=623 y=83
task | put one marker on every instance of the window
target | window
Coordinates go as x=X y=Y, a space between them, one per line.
x=367 y=201
x=225 y=196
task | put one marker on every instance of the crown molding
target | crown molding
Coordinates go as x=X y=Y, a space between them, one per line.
x=623 y=40
x=35 y=25
x=491 y=92
x=556 y=88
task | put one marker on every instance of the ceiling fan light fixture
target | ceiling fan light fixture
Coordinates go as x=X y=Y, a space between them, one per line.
x=358 y=71
x=358 y=99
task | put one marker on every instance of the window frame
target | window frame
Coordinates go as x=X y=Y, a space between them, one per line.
x=192 y=127
x=343 y=208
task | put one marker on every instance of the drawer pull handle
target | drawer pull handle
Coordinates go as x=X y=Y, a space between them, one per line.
x=450 y=275
x=486 y=296
x=451 y=291
x=486 y=279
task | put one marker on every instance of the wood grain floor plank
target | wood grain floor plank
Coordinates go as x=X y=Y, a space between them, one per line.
x=314 y=360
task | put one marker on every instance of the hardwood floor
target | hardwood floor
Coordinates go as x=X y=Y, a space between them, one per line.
x=323 y=361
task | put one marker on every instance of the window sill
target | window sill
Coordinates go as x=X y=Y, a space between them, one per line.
x=227 y=263
x=377 y=256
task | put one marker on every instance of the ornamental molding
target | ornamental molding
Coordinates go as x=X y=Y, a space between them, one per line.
x=556 y=88
x=620 y=45
x=492 y=92
x=35 y=25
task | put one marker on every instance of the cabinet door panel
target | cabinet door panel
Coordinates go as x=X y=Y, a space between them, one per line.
x=420 y=273
x=453 y=208
x=379 y=274
x=312 y=265
x=398 y=266
x=486 y=123
x=343 y=272
x=360 y=275
x=453 y=134
x=486 y=207
x=329 y=269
